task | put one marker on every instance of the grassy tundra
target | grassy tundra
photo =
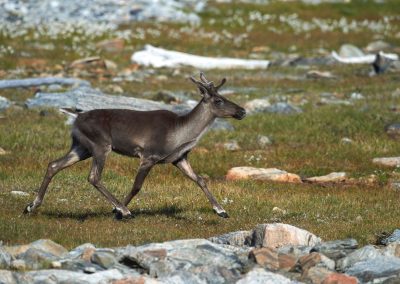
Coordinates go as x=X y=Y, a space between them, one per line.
x=170 y=206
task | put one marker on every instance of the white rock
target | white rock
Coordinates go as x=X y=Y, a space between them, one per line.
x=387 y=161
x=257 y=105
x=279 y=235
x=19 y=193
x=270 y=174
x=261 y=276
x=332 y=177
x=159 y=57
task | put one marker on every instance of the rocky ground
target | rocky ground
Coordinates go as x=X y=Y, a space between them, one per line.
x=270 y=253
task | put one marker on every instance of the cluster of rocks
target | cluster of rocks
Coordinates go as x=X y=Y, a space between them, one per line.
x=16 y=17
x=270 y=253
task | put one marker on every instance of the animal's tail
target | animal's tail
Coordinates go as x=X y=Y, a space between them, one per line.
x=71 y=112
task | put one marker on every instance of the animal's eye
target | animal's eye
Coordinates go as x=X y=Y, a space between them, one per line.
x=219 y=102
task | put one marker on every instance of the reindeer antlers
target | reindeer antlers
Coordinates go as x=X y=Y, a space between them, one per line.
x=205 y=83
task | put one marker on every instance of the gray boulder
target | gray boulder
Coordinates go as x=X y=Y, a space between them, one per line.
x=375 y=268
x=362 y=254
x=4 y=103
x=37 y=259
x=50 y=247
x=336 y=249
x=349 y=50
x=7 y=277
x=104 y=258
x=211 y=263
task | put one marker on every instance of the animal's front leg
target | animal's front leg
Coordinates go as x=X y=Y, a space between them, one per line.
x=185 y=167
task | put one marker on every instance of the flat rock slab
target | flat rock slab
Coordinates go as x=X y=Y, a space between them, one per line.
x=278 y=235
x=332 y=177
x=270 y=174
x=260 y=275
x=211 y=262
x=35 y=82
x=387 y=161
x=375 y=268
x=159 y=57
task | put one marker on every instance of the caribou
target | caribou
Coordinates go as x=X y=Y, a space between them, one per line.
x=155 y=137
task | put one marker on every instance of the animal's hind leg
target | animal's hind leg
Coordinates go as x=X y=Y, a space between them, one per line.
x=95 y=179
x=76 y=154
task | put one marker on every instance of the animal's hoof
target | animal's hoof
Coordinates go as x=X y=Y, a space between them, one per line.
x=28 y=208
x=119 y=216
x=223 y=214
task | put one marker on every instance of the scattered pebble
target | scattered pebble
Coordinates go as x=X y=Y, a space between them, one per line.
x=19 y=193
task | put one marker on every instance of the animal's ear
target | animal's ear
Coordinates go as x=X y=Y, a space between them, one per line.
x=201 y=87
x=221 y=84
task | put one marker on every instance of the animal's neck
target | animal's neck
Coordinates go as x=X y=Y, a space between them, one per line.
x=194 y=124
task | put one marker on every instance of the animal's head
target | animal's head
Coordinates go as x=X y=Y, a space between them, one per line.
x=219 y=106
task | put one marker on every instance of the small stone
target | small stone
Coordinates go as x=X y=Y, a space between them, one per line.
x=111 y=45
x=393 y=131
x=265 y=257
x=270 y=174
x=257 y=105
x=346 y=140
x=2 y=151
x=359 y=219
x=332 y=177
x=18 y=264
x=356 y=96
x=229 y=146
x=263 y=141
x=387 y=161
x=278 y=210
x=315 y=74
x=4 y=103
x=19 y=193
x=56 y=265
x=89 y=270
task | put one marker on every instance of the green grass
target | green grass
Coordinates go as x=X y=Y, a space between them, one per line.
x=172 y=207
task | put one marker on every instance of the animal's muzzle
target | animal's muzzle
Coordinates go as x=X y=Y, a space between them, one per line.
x=240 y=114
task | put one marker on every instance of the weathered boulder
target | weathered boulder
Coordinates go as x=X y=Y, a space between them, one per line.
x=332 y=177
x=362 y=254
x=392 y=249
x=336 y=249
x=315 y=259
x=374 y=268
x=257 y=105
x=7 y=277
x=263 y=105
x=349 y=50
x=387 y=161
x=278 y=235
x=50 y=247
x=211 y=262
x=271 y=174
x=260 y=275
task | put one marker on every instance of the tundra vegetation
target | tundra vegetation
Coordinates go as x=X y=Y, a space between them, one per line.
x=170 y=206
